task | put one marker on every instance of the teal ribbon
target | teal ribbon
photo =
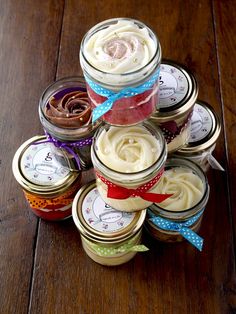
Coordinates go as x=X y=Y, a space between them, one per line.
x=181 y=227
x=112 y=96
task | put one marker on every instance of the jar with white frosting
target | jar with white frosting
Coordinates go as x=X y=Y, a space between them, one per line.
x=109 y=237
x=48 y=185
x=120 y=59
x=66 y=116
x=128 y=164
x=204 y=131
x=179 y=217
x=178 y=92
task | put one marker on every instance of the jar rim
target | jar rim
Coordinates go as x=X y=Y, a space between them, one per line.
x=208 y=141
x=186 y=104
x=91 y=233
x=39 y=189
x=96 y=27
x=201 y=203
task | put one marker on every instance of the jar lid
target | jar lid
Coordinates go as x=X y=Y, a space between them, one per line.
x=98 y=221
x=205 y=129
x=178 y=90
x=38 y=170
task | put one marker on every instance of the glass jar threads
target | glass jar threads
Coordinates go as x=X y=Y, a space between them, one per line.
x=179 y=216
x=177 y=95
x=204 y=132
x=128 y=164
x=109 y=237
x=66 y=116
x=48 y=185
x=120 y=59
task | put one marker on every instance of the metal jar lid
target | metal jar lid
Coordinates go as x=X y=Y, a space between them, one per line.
x=205 y=129
x=38 y=171
x=99 y=222
x=178 y=91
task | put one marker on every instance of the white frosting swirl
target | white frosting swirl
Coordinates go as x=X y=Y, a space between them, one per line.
x=120 y=48
x=128 y=149
x=187 y=189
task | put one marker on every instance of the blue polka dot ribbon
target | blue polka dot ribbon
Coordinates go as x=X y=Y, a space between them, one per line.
x=112 y=96
x=181 y=227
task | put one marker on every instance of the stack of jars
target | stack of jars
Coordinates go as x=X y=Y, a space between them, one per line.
x=122 y=118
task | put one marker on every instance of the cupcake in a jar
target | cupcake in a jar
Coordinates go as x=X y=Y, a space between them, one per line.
x=129 y=163
x=179 y=217
x=177 y=95
x=66 y=115
x=204 y=132
x=120 y=59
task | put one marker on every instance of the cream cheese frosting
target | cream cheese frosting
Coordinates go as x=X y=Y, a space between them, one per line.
x=127 y=149
x=120 y=48
x=187 y=189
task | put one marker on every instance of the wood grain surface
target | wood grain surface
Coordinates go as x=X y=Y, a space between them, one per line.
x=43 y=268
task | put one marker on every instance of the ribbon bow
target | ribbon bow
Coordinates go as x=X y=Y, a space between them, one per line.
x=120 y=192
x=108 y=251
x=181 y=227
x=67 y=145
x=112 y=96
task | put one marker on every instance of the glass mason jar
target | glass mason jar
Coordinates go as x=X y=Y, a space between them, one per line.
x=178 y=214
x=49 y=186
x=109 y=237
x=177 y=95
x=204 y=132
x=69 y=125
x=117 y=54
x=120 y=157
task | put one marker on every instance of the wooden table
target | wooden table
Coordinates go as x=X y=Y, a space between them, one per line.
x=43 y=266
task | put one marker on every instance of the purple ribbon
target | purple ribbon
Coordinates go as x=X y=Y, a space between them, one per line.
x=67 y=145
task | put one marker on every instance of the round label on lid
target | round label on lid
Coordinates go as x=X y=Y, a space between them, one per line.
x=173 y=86
x=40 y=166
x=101 y=217
x=201 y=124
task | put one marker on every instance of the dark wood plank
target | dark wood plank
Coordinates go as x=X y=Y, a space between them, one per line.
x=169 y=278
x=29 y=41
x=225 y=17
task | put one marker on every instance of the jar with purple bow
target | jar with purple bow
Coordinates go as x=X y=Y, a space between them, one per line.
x=66 y=116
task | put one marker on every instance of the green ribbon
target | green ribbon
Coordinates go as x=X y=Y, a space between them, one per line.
x=127 y=247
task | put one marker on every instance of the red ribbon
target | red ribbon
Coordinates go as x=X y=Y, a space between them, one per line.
x=120 y=192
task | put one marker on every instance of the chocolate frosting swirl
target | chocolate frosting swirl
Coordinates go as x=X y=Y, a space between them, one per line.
x=73 y=110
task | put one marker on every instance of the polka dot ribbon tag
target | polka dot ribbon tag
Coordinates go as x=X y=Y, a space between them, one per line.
x=182 y=228
x=125 y=248
x=120 y=192
x=112 y=96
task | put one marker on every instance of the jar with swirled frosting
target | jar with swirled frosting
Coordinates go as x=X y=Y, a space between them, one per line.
x=120 y=59
x=177 y=95
x=128 y=164
x=179 y=217
x=66 y=115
